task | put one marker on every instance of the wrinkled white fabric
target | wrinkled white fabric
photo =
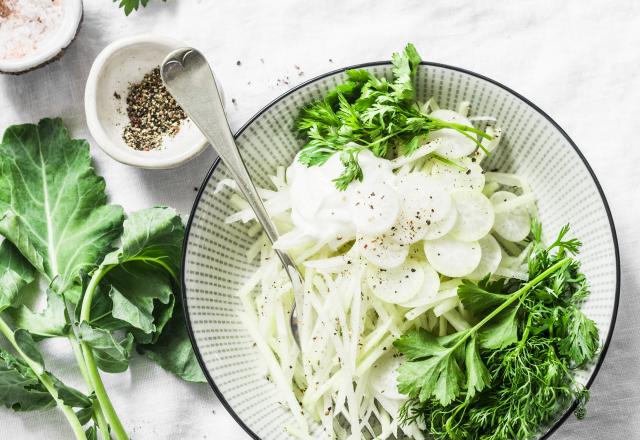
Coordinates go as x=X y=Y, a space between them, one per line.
x=577 y=59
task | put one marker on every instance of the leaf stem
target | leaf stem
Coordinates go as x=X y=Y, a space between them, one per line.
x=101 y=394
x=87 y=299
x=97 y=409
x=514 y=296
x=91 y=368
x=46 y=381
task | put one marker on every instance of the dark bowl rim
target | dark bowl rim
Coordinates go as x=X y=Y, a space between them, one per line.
x=267 y=107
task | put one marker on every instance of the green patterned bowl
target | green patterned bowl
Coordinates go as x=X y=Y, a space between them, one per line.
x=215 y=265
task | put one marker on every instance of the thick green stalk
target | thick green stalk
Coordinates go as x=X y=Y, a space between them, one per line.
x=87 y=299
x=101 y=394
x=514 y=296
x=97 y=409
x=91 y=368
x=45 y=379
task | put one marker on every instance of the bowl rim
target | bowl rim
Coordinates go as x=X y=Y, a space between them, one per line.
x=304 y=84
x=91 y=104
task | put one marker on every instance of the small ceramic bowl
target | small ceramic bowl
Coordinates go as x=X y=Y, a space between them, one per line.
x=53 y=45
x=121 y=63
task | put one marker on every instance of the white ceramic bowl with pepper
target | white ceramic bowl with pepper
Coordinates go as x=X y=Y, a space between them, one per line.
x=130 y=114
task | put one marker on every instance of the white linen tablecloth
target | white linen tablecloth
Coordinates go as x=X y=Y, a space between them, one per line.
x=578 y=60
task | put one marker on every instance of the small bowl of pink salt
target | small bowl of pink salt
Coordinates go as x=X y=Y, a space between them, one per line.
x=130 y=113
x=36 y=32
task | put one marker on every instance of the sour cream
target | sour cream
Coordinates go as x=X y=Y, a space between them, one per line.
x=323 y=212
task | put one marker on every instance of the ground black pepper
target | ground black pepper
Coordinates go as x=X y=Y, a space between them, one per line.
x=153 y=113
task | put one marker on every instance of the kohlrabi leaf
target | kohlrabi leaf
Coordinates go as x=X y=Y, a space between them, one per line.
x=91 y=433
x=84 y=416
x=50 y=322
x=137 y=289
x=173 y=351
x=52 y=203
x=28 y=346
x=152 y=236
x=20 y=388
x=70 y=396
x=15 y=273
x=111 y=356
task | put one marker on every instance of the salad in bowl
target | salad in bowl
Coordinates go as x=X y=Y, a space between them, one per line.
x=433 y=304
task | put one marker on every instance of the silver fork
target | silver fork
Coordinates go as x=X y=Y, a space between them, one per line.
x=190 y=80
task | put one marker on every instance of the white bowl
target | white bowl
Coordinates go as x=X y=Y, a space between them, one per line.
x=123 y=62
x=54 y=45
x=215 y=264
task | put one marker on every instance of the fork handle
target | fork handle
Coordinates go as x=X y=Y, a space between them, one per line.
x=198 y=94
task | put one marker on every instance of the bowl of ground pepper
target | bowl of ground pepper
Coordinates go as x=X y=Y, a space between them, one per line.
x=130 y=113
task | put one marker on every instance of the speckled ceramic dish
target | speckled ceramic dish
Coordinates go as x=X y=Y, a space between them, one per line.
x=215 y=264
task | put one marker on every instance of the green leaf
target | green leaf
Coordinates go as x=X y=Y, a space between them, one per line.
x=131 y=5
x=477 y=374
x=70 y=396
x=404 y=69
x=111 y=356
x=162 y=314
x=369 y=113
x=581 y=340
x=432 y=370
x=478 y=298
x=50 y=322
x=28 y=346
x=20 y=388
x=136 y=290
x=142 y=275
x=125 y=310
x=91 y=432
x=15 y=273
x=439 y=377
x=153 y=236
x=418 y=344
x=85 y=415
x=173 y=350
x=501 y=331
x=52 y=203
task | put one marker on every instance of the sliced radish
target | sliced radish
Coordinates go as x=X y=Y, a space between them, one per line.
x=491 y=258
x=441 y=228
x=384 y=377
x=382 y=251
x=475 y=215
x=374 y=207
x=423 y=202
x=513 y=225
x=471 y=176
x=452 y=257
x=429 y=289
x=454 y=143
x=397 y=285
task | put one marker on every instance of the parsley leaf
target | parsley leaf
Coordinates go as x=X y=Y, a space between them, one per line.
x=366 y=112
x=131 y=5
x=502 y=331
x=434 y=372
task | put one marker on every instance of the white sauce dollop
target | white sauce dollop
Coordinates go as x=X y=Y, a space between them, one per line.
x=323 y=212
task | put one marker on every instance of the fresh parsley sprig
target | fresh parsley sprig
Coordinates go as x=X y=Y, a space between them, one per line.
x=370 y=113
x=132 y=5
x=513 y=370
